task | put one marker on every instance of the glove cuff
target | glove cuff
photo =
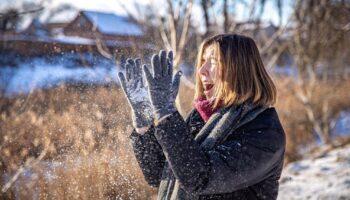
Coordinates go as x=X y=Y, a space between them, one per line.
x=141 y=120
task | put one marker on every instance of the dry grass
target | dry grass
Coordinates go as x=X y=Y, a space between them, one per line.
x=83 y=128
x=293 y=115
x=186 y=96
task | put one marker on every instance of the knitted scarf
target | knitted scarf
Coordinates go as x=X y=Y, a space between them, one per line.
x=204 y=108
x=224 y=122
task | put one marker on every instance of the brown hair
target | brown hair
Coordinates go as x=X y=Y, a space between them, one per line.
x=242 y=76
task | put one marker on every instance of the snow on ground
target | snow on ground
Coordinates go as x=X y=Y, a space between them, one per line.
x=19 y=75
x=326 y=177
x=48 y=76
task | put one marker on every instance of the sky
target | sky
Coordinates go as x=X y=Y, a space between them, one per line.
x=115 y=6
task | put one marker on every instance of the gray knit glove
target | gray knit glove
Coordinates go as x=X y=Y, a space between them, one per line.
x=136 y=93
x=162 y=87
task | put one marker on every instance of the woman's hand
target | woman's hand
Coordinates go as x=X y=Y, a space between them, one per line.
x=136 y=93
x=162 y=87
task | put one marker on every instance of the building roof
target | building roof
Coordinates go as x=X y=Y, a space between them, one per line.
x=109 y=23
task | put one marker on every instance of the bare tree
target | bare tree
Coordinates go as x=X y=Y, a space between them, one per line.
x=10 y=18
x=315 y=32
x=205 y=5
x=269 y=43
x=172 y=29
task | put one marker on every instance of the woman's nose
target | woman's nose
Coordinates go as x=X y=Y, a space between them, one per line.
x=203 y=70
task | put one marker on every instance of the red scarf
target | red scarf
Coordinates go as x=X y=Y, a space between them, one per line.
x=204 y=107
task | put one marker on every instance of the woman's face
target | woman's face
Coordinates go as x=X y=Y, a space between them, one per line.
x=208 y=72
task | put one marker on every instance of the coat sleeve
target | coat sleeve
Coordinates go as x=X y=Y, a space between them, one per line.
x=149 y=156
x=228 y=167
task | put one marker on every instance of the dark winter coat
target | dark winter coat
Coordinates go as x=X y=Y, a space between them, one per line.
x=247 y=165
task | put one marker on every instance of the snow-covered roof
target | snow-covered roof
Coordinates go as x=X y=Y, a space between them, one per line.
x=110 y=23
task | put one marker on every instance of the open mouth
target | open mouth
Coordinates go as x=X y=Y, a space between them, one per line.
x=208 y=86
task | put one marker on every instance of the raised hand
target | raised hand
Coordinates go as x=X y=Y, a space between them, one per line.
x=136 y=93
x=162 y=86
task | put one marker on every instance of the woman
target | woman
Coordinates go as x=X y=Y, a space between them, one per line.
x=231 y=146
